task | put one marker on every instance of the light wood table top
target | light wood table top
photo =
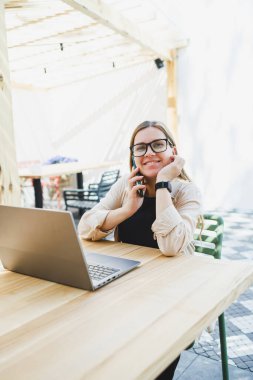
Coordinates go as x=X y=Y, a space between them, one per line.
x=38 y=171
x=130 y=329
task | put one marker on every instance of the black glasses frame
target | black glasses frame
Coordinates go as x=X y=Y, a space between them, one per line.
x=150 y=144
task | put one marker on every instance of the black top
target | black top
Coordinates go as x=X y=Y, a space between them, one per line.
x=137 y=228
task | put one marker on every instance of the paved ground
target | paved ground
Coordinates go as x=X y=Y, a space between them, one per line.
x=203 y=360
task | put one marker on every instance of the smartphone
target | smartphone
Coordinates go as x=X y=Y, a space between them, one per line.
x=140 y=192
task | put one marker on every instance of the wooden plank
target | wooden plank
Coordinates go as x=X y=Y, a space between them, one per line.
x=106 y=15
x=9 y=180
x=39 y=171
x=172 y=94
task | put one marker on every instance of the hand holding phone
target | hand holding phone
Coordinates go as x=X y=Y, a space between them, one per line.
x=140 y=192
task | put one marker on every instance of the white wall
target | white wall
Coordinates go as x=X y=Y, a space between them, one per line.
x=215 y=105
x=215 y=97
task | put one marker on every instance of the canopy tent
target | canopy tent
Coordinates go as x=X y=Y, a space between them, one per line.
x=108 y=94
x=52 y=42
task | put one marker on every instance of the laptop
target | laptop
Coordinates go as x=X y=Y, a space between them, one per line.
x=44 y=244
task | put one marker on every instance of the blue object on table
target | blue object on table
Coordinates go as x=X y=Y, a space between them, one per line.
x=59 y=160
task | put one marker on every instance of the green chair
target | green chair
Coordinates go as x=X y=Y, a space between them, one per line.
x=208 y=240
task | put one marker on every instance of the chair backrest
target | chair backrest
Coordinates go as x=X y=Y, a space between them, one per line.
x=79 y=195
x=209 y=239
x=107 y=180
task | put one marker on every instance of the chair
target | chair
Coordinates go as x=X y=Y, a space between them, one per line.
x=107 y=180
x=209 y=241
x=84 y=200
x=80 y=199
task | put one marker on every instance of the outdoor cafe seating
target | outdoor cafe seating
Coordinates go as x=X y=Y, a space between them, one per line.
x=85 y=199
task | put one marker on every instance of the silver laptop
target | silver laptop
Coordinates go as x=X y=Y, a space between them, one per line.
x=44 y=243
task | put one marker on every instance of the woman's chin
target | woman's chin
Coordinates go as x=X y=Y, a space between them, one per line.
x=150 y=174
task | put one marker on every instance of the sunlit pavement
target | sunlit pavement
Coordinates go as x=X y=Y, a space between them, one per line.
x=203 y=360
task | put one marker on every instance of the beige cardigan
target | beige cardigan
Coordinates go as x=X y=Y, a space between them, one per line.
x=173 y=228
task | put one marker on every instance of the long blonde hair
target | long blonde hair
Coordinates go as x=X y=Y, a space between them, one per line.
x=167 y=133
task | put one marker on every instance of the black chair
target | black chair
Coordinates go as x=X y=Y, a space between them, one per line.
x=84 y=200
x=107 y=180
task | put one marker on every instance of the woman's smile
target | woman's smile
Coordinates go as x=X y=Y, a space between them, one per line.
x=151 y=162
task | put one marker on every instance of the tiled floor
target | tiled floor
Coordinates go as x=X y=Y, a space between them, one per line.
x=197 y=367
x=237 y=245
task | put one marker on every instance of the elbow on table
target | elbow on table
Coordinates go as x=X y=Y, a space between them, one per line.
x=89 y=237
x=83 y=236
x=86 y=234
x=170 y=251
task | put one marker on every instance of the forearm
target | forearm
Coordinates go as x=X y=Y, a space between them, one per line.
x=114 y=218
x=167 y=223
x=176 y=240
x=163 y=200
x=175 y=223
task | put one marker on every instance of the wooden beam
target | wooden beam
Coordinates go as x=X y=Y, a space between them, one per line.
x=172 y=94
x=106 y=15
x=9 y=180
x=87 y=75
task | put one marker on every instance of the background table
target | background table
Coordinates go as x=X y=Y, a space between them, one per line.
x=130 y=329
x=39 y=171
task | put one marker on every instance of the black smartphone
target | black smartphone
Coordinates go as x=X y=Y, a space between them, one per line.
x=140 y=192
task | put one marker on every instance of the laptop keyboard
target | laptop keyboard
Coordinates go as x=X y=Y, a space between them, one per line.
x=98 y=272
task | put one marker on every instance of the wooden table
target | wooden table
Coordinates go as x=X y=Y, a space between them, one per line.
x=130 y=329
x=39 y=171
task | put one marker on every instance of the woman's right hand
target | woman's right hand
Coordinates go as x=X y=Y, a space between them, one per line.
x=134 y=201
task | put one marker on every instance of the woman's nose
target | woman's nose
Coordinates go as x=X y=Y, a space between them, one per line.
x=149 y=151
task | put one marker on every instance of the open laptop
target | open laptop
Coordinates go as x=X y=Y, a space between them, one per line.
x=44 y=243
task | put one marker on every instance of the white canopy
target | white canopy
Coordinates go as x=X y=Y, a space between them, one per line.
x=62 y=47
x=54 y=42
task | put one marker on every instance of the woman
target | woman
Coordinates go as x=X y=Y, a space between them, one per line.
x=165 y=217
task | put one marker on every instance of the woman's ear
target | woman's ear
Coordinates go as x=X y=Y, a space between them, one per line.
x=174 y=150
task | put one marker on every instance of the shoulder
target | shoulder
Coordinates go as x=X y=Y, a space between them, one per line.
x=122 y=182
x=119 y=187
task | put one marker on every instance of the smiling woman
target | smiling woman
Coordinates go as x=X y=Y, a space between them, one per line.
x=165 y=216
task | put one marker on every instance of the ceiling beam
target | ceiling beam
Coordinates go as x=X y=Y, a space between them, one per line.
x=106 y=15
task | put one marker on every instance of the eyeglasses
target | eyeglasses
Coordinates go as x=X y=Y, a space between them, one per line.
x=157 y=146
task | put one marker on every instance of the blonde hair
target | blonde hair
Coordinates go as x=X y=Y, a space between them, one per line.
x=167 y=133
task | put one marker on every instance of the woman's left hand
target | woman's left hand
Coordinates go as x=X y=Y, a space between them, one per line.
x=172 y=170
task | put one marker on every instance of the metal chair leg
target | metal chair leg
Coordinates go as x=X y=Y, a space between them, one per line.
x=223 y=347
